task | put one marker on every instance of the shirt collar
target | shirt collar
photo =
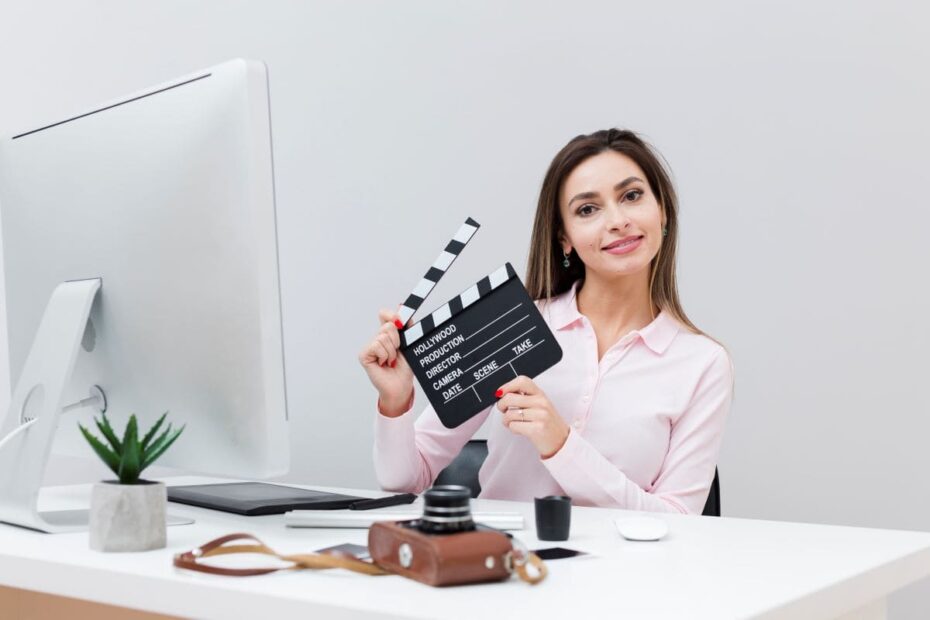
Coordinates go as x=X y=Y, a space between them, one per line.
x=563 y=309
x=657 y=335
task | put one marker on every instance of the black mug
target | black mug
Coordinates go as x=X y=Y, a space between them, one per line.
x=553 y=517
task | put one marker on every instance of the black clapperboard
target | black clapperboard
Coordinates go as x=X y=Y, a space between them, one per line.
x=476 y=342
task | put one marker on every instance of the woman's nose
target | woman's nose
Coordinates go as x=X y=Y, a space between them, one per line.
x=618 y=217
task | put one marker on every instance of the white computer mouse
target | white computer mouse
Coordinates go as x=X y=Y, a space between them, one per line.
x=642 y=528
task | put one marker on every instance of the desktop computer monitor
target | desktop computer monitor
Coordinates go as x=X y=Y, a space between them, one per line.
x=153 y=218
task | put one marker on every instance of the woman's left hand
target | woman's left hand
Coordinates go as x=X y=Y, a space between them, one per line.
x=528 y=412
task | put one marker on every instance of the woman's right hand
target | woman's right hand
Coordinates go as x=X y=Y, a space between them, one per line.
x=386 y=367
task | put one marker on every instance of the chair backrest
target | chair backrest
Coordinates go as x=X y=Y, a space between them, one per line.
x=712 y=506
x=463 y=470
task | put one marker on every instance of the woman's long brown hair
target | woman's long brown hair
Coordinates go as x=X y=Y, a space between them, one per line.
x=545 y=275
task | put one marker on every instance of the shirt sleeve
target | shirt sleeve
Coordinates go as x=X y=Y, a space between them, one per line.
x=683 y=482
x=410 y=452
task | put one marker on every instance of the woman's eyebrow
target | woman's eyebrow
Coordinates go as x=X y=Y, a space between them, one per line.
x=617 y=188
x=583 y=196
x=626 y=182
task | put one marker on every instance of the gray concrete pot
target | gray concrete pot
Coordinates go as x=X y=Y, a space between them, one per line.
x=128 y=517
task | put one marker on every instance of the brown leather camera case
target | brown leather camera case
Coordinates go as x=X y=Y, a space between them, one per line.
x=464 y=557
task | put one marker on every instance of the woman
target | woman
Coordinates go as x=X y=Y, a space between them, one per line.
x=633 y=415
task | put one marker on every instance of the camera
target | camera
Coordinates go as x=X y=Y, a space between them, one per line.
x=444 y=546
x=446 y=510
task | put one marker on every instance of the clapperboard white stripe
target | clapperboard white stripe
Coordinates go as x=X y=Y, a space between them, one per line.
x=455 y=305
x=465 y=232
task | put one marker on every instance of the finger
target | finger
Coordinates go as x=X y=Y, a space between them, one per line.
x=521 y=384
x=365 y=356
x=385 y=316
x=388 y=345
x=372 y=353
x=392 y=344
x=514 y=399
x=398 y=323
x=520 y=416
x=381 y=352
x=391 y=330
x=526 y=429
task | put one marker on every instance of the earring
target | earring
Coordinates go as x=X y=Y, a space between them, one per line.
x=664 y=231
x=565 y=261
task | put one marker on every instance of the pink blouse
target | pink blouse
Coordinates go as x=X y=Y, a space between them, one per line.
x=646 y=423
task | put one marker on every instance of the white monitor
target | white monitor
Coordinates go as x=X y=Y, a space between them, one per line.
x=155 y=215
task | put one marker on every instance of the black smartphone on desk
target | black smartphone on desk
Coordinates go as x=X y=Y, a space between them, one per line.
x=383 y=502
x=558 y=553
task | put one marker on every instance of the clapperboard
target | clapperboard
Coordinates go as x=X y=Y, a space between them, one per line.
x=465 y=350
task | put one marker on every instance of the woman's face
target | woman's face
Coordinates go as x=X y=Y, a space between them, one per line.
x=611 y=218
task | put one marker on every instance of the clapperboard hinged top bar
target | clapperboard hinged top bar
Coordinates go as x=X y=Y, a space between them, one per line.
x=445 y=259
x=466 y=349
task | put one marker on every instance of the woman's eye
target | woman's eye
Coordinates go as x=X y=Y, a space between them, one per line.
x=586 y=210
x=633 y=195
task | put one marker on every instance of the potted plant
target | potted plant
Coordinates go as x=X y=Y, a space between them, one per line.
x=128 y=514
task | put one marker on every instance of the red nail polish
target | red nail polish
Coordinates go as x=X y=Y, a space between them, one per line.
x=398 y=324
x=499 y=393
x=394 y=363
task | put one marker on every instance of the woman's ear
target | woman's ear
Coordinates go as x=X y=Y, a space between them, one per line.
x=566 y=246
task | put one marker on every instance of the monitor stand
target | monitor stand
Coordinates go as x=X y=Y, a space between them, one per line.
x=30 y=424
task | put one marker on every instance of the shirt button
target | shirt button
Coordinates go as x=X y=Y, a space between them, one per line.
x=577 y=424
x=585 y=398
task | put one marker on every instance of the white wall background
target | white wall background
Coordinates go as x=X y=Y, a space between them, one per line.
x=797 y=133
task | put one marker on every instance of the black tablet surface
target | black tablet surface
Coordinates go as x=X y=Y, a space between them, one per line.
x=257 y=498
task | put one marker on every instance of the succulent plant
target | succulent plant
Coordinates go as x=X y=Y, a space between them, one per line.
x=129 y=456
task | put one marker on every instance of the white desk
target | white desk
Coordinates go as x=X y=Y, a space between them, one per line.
x=705 y=568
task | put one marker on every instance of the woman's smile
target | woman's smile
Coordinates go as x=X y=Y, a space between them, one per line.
x=625 y=245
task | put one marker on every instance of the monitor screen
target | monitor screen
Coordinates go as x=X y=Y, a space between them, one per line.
x=167 y=197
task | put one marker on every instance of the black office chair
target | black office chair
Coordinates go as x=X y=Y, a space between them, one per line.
x=463 y=470
x=712 y=505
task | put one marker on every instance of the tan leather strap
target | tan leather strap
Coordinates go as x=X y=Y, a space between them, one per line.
x=521 y=557
x=537 y=571
x=191 y=560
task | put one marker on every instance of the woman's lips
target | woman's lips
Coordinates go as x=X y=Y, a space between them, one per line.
x=626 y=247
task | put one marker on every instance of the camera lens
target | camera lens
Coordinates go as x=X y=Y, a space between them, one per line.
x=446 y=510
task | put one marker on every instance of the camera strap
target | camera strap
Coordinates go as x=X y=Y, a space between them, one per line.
x=526 y=565
x=192 y=560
